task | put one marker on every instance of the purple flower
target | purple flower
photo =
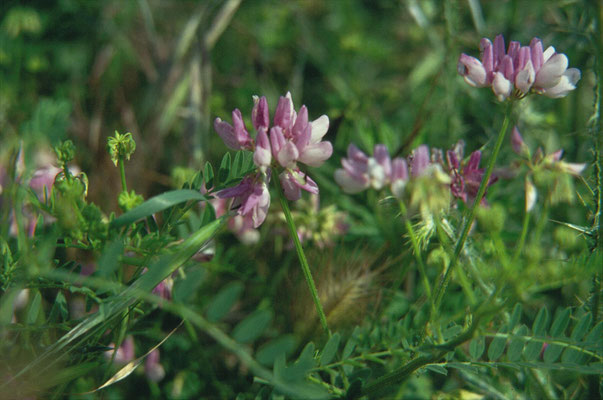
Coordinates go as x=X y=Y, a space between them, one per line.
x=519 y=70
x=235 y=137
x=360 y=172
x=124 y=353
x=539 y=159
x=152 y=369
x=294 y=138
x=251 y=198
x=292 y=181
x=466 y=177
x=291 y=139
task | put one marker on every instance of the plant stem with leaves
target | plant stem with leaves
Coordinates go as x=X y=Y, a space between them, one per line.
x=441 y=290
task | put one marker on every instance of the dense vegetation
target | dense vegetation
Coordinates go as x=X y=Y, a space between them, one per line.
x=411 y=231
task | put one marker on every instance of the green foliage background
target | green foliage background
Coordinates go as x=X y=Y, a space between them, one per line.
x=384 y=71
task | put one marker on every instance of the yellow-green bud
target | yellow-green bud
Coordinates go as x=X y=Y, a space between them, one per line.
x=120 y=146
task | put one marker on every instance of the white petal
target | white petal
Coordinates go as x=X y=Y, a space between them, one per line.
x=348 y=183
x=320 y=126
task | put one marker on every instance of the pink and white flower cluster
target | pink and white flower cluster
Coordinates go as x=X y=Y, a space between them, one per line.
x=361 y=172
x=291 y=139
x=519 y=70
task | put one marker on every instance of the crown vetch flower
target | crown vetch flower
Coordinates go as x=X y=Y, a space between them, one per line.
x=519 y=70
x=466 y=177
x=294 y=138
x=291 y=139
x=251 y=198
x=360 y=172
x=235 y=137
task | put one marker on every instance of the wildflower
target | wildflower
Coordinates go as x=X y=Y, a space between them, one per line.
x=251 y=198
x=545 y=170
x=360 y=172
x=152 y=369
x=124 y=353
x=291 y=140
x=520 y=70
x=466 y=177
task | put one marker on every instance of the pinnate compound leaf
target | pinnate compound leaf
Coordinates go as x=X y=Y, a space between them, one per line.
x=252 y=327
x=516 y=343
x=223 y=301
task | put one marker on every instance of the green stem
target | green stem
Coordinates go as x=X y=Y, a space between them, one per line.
x=416 y=250
x=439 y=295
x=302 y=257
x=122 y=171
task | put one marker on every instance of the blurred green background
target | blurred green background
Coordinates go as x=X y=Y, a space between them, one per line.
x=384 y=71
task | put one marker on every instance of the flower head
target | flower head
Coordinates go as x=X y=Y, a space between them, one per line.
x=291 y=139
x=519 y=70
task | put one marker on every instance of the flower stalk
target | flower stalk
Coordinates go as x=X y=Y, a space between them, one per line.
x=441 y=290
x=302 y=258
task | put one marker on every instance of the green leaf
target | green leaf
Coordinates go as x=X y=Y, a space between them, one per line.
x=184 y=289
x=269 y=352
x=223 y=301
x=560 y=323
x=34 y=309
x=349 y=348
x=477 y=347
x=541 y=322
x=302 y=366
x=109 y=259
x=437 y=368
x=59 y=311
x=330 y=349
x=572 y=355
x=497 y=347
x=552 y=353
x=208 y=175
x=516 y=344
x=582 y=327
x=224 y=170
x=532 y=350
x=595 y=334
x=209 y=213
x=515 y=317
x=156 y=204
x=252 y=327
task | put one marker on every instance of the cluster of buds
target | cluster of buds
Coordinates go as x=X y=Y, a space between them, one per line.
x=542 y=167
x=423 y=169
x=291 y=139
x=519 y=70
